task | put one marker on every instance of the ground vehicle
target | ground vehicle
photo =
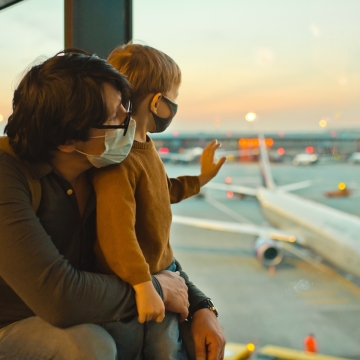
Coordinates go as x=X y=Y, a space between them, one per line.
x=354 y=158
x=305 y=159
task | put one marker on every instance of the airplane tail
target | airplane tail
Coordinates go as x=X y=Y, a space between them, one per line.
x=265 y=164
x=266 y=173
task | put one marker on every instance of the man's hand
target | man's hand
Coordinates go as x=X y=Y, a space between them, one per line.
x=148 y=302
x=208 y=336
x=175 y=293
x=208 y=166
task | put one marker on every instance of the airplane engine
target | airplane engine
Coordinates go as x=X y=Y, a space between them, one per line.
x=268 y=252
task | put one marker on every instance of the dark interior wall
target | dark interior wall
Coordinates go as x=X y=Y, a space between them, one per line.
x=97 y=26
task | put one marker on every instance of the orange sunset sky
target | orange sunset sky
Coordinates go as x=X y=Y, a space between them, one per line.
x=291 y=62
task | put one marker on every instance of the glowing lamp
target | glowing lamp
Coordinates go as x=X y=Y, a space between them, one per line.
x=250 y=117
x=323 y=123
x=250 y=347
x=230 y=194
x=164 y=150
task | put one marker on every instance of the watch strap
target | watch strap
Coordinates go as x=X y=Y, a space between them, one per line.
x=205 y=304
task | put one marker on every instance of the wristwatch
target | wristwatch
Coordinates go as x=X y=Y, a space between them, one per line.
x=205 y=304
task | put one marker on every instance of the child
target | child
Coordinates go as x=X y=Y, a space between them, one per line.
x=133 y=202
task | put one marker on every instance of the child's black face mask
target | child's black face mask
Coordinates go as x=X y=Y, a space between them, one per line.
x=161 y=124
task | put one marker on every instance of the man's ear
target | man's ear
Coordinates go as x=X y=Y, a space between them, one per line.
x=68 y=147
x=155 y=103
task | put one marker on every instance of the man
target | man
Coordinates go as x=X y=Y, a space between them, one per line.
x=51 y=296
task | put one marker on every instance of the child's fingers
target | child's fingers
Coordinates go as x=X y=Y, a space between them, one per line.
x=211 y=145
x=141 y=318
x=220 y=163
x=160 y=317
x=209 y=151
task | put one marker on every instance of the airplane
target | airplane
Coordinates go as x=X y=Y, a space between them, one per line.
x=332 y=234
x=187 y=156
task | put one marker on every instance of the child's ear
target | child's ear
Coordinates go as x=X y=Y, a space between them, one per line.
x=68 y=147
x=155 y=103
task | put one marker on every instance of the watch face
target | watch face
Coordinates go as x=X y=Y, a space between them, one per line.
x=213 y=308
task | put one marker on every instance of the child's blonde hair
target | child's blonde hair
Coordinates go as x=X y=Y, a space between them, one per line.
x=148 y=70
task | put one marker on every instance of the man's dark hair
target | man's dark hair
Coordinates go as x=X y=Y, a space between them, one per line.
x=59 y=100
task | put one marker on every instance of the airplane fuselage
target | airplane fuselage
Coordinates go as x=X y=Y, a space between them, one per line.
x=331 y=233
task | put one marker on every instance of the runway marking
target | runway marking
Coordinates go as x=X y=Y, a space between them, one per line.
x=323 y=268
x=323 y=301
x=218 y=205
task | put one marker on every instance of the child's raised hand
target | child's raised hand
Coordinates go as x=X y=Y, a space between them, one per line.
x=149 y=303
x=208 y=166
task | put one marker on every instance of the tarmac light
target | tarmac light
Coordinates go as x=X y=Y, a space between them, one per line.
x=250 y=347
x=342 y=186
x=164 y=150
x=230 y=194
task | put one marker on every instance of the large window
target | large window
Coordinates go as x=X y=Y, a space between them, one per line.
x=30 y=29
x=296 y=66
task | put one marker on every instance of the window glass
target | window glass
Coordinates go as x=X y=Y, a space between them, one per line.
x=30 y=30
x=291 y=70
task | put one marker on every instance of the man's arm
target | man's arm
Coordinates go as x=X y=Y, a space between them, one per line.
x=207 y=334
x=32 y=266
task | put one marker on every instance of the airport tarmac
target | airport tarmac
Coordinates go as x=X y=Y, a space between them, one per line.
x=255 y=306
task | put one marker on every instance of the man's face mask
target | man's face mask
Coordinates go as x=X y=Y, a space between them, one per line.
x=117 y=146
x=161 y=124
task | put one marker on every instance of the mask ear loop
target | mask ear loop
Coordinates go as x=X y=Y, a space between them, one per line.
x=97 y=137
x=155 y=103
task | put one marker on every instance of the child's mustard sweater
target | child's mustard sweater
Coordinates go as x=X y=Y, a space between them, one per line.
x=134 y=213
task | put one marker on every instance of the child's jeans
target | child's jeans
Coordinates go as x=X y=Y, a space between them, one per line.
x=151 y=340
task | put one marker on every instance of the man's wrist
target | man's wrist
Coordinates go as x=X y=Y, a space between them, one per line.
x=204 y=304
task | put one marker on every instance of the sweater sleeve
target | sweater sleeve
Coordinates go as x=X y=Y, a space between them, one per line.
x=118 y=248
x=183 y=187
x=33 y=267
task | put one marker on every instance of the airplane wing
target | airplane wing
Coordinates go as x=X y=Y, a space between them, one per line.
x=295 y=186
x=234 y=188
x=249 y=229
